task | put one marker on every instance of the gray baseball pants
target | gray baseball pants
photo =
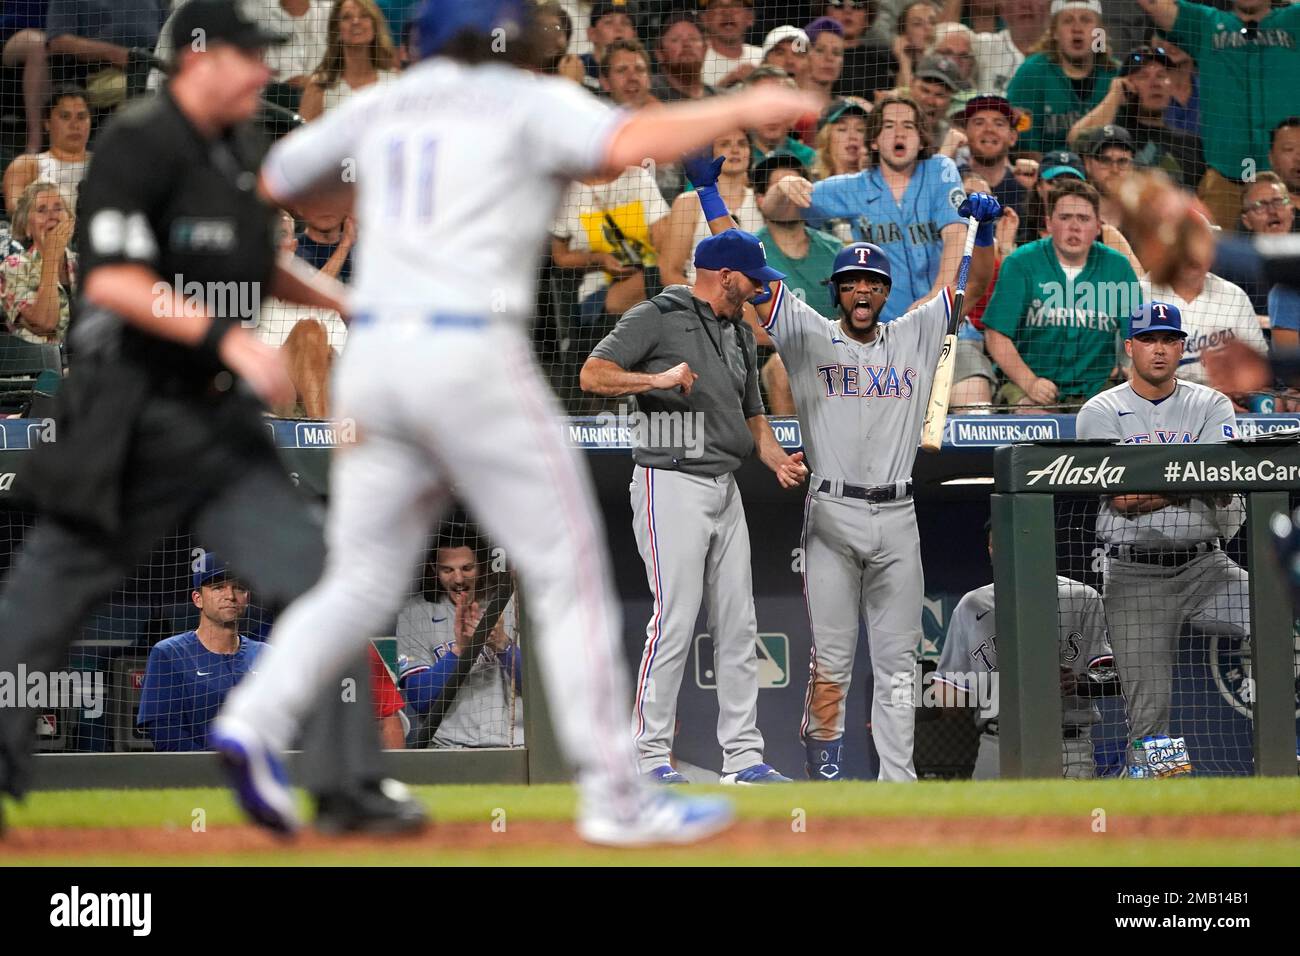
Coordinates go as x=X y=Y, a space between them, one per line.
x=693 y=539
x=1146 y=608
x=863 y=559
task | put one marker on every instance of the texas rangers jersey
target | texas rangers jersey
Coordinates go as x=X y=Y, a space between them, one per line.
x=909 y=230
x=482 y=153
x=487 y=711
x=1192 y=414
x=971 y=649
x=861 y=406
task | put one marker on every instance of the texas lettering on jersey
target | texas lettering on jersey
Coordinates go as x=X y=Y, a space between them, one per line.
x=1161 y=437
x=867 y=381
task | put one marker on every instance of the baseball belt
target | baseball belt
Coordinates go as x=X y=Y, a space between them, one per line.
x=1165 y=558
x=874 y=493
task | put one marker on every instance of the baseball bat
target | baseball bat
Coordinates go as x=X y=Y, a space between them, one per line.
x=936 y=412
x=497 y=593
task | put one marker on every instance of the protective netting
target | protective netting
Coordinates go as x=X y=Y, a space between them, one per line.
x=151 y=665
x=1171 y=576
x=1080 y=95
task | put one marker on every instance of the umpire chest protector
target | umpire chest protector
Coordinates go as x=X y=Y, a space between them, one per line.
x=161 y=195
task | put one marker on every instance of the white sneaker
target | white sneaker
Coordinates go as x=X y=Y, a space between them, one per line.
x=256 y=774
x=663 y=818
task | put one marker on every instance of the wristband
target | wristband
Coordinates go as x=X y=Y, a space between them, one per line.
x=211 y=342
x=711 y=201
x=985 y=233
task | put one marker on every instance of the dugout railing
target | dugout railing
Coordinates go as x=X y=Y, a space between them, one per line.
x=1030 y=481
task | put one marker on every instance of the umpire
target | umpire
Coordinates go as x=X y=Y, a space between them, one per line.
x=159 y=423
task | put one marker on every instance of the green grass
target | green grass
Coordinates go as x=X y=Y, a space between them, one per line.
x=1229 y=851
x=1053 y=798
x=822 y=805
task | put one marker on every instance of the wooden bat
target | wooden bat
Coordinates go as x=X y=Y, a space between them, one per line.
x=936 y=412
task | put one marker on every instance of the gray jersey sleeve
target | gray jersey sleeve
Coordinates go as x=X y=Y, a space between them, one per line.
x=954 y=659
x=1096 y=422
x=1220 y=422
x=1082 y=608
x=924 y=328
x=633 y=340
x=790 y=323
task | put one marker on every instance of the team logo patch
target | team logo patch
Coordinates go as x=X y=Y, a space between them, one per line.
x=957 y=197
x=1231 y=665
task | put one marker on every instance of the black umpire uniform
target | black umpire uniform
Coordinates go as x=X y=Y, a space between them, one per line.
x=153 y=435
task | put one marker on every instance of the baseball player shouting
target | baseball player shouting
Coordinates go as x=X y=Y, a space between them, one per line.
x=687 y=513
x=861 y=389
x=1166 y=564
x=459 y=169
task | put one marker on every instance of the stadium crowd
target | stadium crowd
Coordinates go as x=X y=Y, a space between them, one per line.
x=1052 y=105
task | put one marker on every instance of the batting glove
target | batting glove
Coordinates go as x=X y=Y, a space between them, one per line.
x=702 y=170
x=986 y=210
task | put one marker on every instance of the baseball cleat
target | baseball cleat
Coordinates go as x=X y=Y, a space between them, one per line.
x=662 y=818
x=666 y=774
x=824 y=758
x=377 y=806
x=256 y=775
x=760 y=773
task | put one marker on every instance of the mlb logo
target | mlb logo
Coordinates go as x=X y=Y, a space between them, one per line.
x=47 y=725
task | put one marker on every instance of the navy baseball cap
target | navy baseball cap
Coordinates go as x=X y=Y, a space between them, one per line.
x=1061 y=162
x=1156 y=317
x=210 y=568
x=738 y=251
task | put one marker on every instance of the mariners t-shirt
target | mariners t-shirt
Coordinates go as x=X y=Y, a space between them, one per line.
x=1068 y=331
x=185 y=685
x=806 y=277
x=1053 y=101
x=908 y=231
x=970 y=646
x=1248 y=81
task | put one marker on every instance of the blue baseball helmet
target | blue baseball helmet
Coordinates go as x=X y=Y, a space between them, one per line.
x=438 y=22
x=858 y=257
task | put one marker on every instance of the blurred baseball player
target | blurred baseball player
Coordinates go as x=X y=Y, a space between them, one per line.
x=861 y=388
x=1166 y=563
x=970 y=654
x=460 y=166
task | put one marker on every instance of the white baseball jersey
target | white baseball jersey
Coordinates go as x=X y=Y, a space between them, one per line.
x=970 y=647
x=861 y=405
x=1221 y=312
x=486 y=711
x=1192 y=414
x=481 y=153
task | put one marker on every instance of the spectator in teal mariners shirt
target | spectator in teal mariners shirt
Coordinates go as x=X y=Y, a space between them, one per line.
x=188 y=676
x=1069 y=77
